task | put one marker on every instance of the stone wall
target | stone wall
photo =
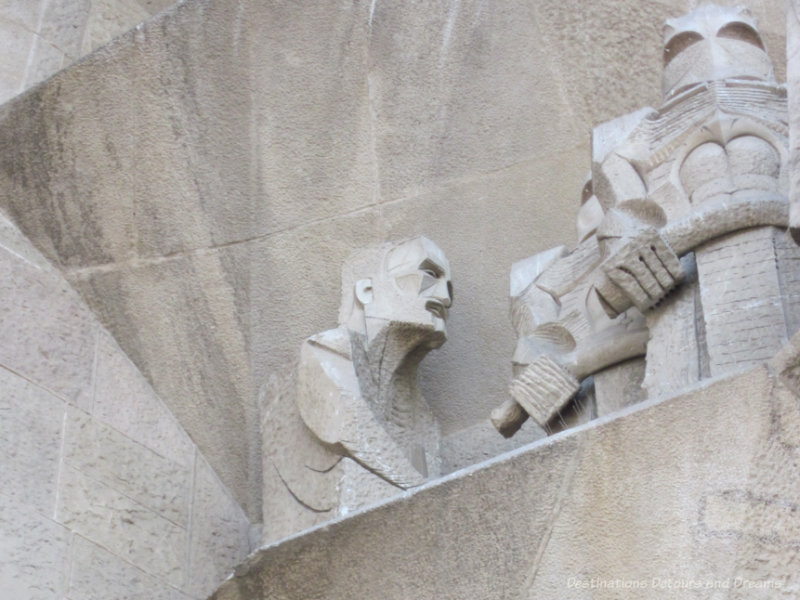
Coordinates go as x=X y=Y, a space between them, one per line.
x=102 y=493
x=40 y=37
x=201 y=180
x=691 y=497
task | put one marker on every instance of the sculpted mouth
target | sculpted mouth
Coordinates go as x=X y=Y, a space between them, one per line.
x=436 y=308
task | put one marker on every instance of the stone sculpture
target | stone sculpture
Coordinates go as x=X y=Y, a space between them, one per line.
x=684 y=198
x=357 y=384
x=356 y=394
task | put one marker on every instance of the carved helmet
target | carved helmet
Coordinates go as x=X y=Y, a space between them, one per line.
x=712 y=43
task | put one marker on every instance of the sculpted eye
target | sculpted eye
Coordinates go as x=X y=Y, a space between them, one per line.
x=430 y=273
x=743 y=32
x=679 y=43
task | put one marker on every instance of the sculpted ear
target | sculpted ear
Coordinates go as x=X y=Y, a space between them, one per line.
x=364 y=291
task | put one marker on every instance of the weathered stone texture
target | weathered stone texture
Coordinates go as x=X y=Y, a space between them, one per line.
x=112 y=459
x=201 y=159
x=34 y=554
x=31 y=430
x=42 y=36
x=98 y=489
x=42 y=317
x=100 y=574
x=124 y=400
x=220 y=533
x=703 y=485
x=128 y=529
x=742 y=299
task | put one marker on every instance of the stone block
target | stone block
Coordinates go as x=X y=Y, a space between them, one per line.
x=744 y=323
x=63 y=24
x=459 y=90
x=45 y=60
x=31 y=426
x=98 y=574
x=412 y=545
x=219 y=536
x=17 y=40
x=41 y=316
x=23 y=12
x=122 y=526
x=208 y=391
x=73 y=146
x=313 y=116
x=13 y=241
x=125 y=400
x=649 y=473
x=109 y=18
x=699 y=484
x=34 y=555
x=104 y=455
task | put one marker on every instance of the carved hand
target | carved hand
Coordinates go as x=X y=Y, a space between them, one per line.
x=642 y=272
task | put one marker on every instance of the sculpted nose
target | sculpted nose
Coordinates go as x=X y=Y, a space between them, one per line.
x=444 y=293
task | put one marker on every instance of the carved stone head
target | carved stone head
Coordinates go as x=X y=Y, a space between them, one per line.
x=405 y=284
x=711 y=43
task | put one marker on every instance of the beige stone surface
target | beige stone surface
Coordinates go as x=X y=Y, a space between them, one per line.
x=63 y=24
x=744 y=322
x=128 y=529
x=793 y=92
x=486 y=75
x=619 y=386
x=107 y=501
x=260 y=134
x=220 y=533
x=17 y=41
x=100 y=574
x=124 y=400
x=700 y=484
x=114 y=460
x=34 y=554
x=42 y=317
x=107 y=19
x=31 y=427
x=204 y=378
x=42 y=36
x=44 y=60
x=13 y=241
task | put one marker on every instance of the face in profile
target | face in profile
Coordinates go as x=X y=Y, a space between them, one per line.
x=414 y=288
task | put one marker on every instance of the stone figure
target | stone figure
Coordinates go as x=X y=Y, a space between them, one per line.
x=689 y=198
x=357 y=384
x=356 y=394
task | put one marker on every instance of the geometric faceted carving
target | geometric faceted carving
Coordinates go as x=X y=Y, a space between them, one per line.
x=357 y=387
x=698 y=186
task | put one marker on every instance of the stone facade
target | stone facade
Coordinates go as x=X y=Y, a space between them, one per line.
x=689 y=497
x=184 y=166
x=699 y=185
x=40 y=37
x=102 y=492
x=191 y=190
